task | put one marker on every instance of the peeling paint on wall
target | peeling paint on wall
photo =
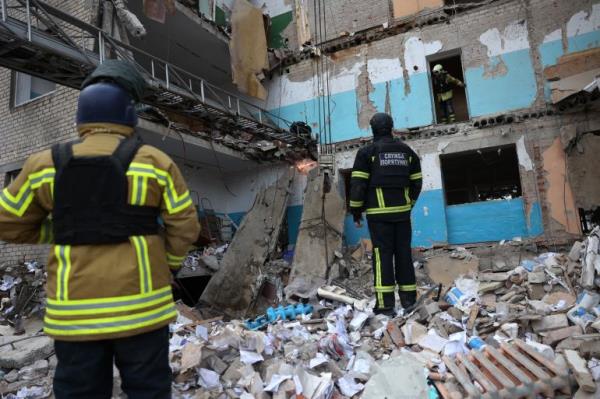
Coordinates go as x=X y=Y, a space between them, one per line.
x=415 y=53
x=559 y=194
x=506 y=81
x=523 y=155
x=513 y=38
x=432 y=172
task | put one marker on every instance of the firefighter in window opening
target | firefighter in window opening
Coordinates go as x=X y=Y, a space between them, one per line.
x=98 y=202
x=386 y=182
x=442 y=86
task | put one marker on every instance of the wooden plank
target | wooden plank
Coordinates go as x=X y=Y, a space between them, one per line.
x=495 y=371
x=550 y=365
x=573 y=64
x=233 y=287
x=524 y=361
x=508 y=365
x=395 y=334
x=461 y=377
x=472 y=317
x=488 y=385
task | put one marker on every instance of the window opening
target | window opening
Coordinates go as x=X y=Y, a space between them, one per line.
x=28 y=88
x=482 y=175
x=449 y=94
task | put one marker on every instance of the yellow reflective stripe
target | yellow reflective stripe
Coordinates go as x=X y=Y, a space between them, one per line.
x=63 y=256
x=407 y=196
x=108 y=300
x=360 y=175
x=141 y=250
x=109 y=324
x=386 y=288
x=175 y=203
x=17 y=204
x=46 y=232
x=144 y=193
x=391 y=209
x=43 y=176
x=416 y=176
x=134 y=189
x=380 y=199
x=378 y=278
x=409 y=287
x=356 y=204
x=174 y=261
x=69 y=308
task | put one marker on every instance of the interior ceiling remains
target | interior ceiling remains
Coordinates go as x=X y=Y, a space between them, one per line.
x=185 y=41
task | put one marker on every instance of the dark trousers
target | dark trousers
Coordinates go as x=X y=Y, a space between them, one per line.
x=447 y=111
x=85 y=369
x=392 y=263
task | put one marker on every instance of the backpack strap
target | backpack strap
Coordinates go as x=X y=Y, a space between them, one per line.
x=61 y=155
x=126 y=150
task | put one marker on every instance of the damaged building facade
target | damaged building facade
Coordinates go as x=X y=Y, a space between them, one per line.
x=517 y=163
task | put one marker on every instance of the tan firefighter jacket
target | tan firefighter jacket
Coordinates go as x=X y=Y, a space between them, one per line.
x=112 y=290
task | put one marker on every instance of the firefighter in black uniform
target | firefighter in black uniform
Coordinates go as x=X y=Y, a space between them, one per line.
x=386 y=182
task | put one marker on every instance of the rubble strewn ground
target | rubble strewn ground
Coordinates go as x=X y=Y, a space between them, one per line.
x=507 y=302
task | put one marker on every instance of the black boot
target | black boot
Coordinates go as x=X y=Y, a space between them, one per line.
x=390 y=312
x=408 y=298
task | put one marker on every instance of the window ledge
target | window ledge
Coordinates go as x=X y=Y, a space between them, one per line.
x=33 y=100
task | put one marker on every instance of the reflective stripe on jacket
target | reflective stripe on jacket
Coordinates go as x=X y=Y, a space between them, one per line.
x=391 y=195
x=105 y=291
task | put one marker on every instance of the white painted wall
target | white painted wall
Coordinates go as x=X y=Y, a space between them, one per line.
x=284 y=91
x=513 y=38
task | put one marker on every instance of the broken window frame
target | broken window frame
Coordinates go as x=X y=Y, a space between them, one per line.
x=20 y=81
x=472 y=187
x=440 y=57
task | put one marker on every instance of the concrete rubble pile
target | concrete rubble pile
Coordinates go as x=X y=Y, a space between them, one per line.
x=22 y=293
x=498 y=329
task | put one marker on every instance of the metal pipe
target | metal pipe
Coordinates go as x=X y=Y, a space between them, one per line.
x=152 y=67
x=191 y=89
x=259 y=115
x=101 y=47
x=3 y=4
x=238 y=106
x=28 y=20
x=167 y=74
x=229 y=101
x=202 y=90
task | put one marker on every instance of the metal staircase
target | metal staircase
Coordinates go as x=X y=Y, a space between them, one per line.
x=41 y=40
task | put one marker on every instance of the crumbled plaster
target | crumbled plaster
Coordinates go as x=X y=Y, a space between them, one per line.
x=495 y=69
x=584 y=22
x=523 y=155
x=364 y=106
x=560 y=197
x=432 y=171
x=513 y=38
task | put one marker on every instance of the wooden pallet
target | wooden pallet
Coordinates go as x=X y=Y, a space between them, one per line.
x=513 y=371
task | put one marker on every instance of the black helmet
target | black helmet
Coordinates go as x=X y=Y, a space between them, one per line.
x=381 y=124
x=106 y=102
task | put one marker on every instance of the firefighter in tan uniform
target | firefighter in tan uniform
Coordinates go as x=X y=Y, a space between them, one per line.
x=109 y=271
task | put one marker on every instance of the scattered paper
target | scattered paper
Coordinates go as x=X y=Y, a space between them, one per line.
x=249 y=357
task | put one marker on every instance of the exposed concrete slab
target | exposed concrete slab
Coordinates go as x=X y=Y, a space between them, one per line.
x=234 y=287
x=316 y=243
x=22 y=353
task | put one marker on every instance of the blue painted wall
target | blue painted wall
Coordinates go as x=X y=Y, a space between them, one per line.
x=409 y=110
x=489 y=221
x=514 y=89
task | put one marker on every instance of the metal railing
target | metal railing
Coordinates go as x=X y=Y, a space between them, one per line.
x=64 y=49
